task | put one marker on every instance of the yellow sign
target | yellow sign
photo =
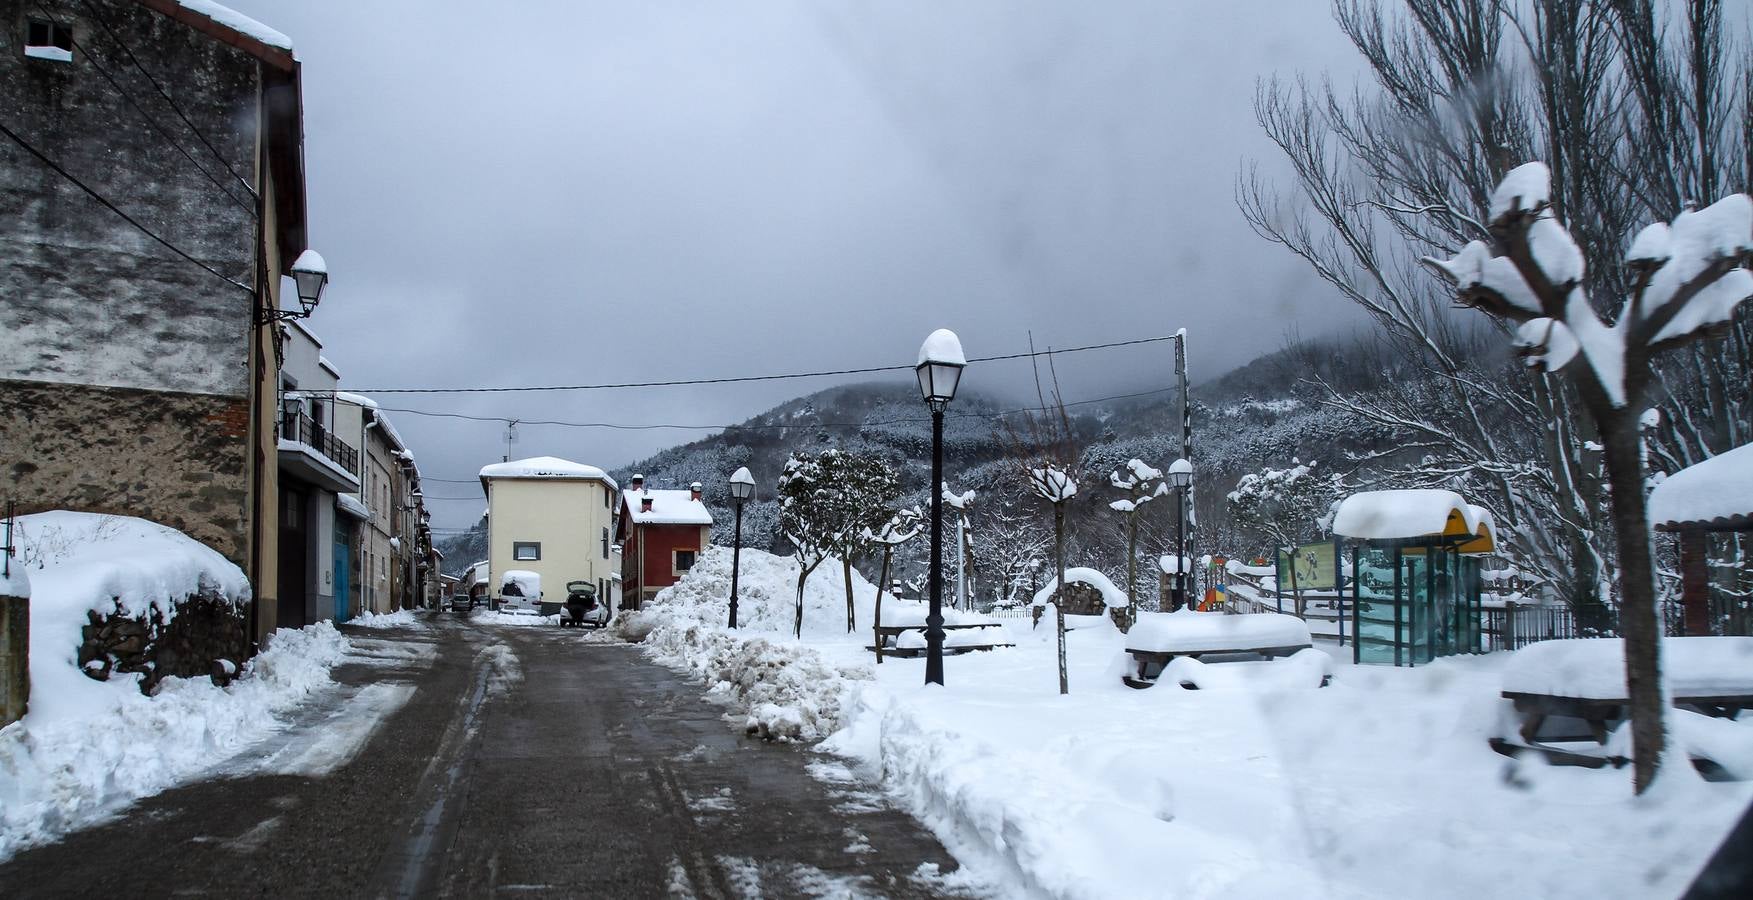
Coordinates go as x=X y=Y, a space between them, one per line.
x=1316 y=568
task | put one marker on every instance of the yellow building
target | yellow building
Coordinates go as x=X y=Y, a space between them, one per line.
x=555 y=518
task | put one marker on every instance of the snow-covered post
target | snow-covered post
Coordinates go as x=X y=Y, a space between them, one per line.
x=902 y=527
x=1141 y=483
x=960 y=503
x=14 y=632
x=1056 y=486
x=1687 y=279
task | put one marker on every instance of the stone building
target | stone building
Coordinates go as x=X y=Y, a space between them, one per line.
x=132 y=379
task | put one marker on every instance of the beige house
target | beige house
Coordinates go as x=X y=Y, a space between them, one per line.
x=553 y=517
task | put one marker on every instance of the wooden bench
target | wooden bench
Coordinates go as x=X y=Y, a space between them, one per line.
x=889 y=639
x=1597 y=717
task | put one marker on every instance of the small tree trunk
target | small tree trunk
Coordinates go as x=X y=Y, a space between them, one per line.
x=1295 y=592
x=1639 y=621
x=1131 y=569
x=797 y=628
x=846 y=575
x=1059 y=592
x=876 y=624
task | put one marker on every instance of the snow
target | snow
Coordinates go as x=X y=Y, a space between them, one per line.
x=1717 y=490
x=1474 y=267
x=310 y=261
x=1112 y=596
x=545 y=467
x=530 y=583
x=667 y=508
x=79 y=562
x=13 y=580
x=242 y=24
x=1170 y=565
x=1053 y=484
x=942 y=346
x=1186 y=631
x=359 y=400
x=1394 y=515
x=55 y=53
x=1526 y=187
x=957 y=501
x=1257 y=785
x=1548 y=343
x=1651 y=245
x=1594 y=668
x=68 y=765
x=401 y=618
x=351 y=505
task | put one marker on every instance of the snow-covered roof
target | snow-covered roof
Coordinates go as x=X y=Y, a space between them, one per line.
x=244 y=25
x=1112 y=596
x=545 y=467
x=1716 y=494
x=667 y=508
x=325 y=363
x=351 y=505
x=356 y=399
x=1410 y=514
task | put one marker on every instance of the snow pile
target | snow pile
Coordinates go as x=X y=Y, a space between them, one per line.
x=1186 y=631
x=71 y=762
x=397 y=619
x=78 y=563
x=1594 y=668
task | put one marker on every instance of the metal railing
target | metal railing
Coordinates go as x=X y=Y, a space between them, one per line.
x=305 y=430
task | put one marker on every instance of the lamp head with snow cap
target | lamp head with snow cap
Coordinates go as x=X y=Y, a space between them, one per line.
x=940 y=368
x=1181 y=473
x=311 y=274
x=742 y=485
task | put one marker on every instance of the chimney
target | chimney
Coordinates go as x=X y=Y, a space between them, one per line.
x=638 y=482
x=694 y=491
x=645 y=503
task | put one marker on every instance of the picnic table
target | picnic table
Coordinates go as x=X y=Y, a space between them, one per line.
x=961 y=638
x=1569 y=696
x=1157 y=639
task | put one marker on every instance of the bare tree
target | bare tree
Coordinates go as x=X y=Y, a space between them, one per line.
x=1141 y=483
x=1687 y=278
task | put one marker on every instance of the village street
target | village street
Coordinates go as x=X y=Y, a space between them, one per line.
x=524 y=762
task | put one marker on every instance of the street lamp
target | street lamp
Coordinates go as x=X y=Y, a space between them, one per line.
x=940 y=371
x=1181 y=477
x=311 y=274
x=742 y=489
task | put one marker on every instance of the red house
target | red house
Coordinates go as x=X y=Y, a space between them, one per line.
x=661 y=534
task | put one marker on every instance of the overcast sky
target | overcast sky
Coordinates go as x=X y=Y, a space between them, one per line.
x=572 y=192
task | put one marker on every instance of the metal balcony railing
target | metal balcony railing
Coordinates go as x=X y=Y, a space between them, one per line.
x=302 y=428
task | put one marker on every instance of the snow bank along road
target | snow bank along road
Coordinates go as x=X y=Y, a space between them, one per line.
x=521 y=761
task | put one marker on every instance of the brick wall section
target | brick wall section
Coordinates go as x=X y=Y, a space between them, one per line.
x=178 y=459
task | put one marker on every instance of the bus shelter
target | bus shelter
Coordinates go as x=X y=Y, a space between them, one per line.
x=1415 y=565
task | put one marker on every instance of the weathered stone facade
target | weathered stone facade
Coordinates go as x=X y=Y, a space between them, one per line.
x=204 y=637
x=177 y=459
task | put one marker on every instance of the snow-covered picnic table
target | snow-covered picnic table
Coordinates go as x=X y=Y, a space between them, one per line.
x=1557 y=686
x=1158 y=638
x=902 y=632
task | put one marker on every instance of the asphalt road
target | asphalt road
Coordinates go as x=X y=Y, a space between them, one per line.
x=523 y=762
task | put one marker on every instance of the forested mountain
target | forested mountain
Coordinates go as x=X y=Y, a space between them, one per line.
x=1268 y=412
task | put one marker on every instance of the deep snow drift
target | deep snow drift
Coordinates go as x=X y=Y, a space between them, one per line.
x=1261 y=784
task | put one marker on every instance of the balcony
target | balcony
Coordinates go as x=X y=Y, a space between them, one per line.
x=313 y=454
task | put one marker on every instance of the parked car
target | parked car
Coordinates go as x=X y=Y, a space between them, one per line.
x=462 y=603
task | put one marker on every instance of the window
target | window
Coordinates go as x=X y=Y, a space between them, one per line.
x=684 y=561
x=526 y=550
x=48 y=40
x=605 y=543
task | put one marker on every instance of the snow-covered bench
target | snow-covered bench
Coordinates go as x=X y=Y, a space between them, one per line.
x=1159 y=638
x=1569 y=696
x=909 y=641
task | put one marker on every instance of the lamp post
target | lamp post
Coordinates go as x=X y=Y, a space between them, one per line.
x=742 y=489
x=1181 y=476
x=940 y=371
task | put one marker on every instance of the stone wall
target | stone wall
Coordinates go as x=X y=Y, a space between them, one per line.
x=177 y=459
x=205 y=637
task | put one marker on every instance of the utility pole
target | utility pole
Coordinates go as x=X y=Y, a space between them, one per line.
x=1186 y=500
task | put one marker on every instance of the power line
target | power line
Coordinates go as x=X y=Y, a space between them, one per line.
x=868 y=370
x=167 y=99
x=91 y=59
x=33 y=151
